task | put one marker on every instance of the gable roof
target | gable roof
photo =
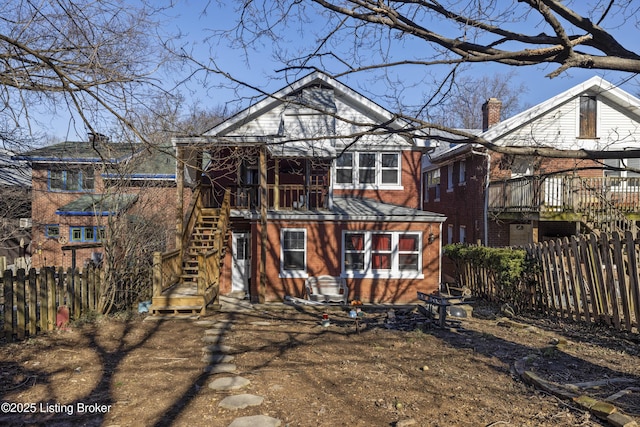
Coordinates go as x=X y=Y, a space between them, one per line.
x=595 y=85
x=306 y=96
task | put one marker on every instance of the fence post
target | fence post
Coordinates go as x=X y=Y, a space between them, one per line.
x=77 y=306
x=50 y=283
x=634 y=279
x=21 y=305
x=33 y=303
x=157 y=274
x=86 y=306
x=42 y=297
x=91 y=289
x=8 y=304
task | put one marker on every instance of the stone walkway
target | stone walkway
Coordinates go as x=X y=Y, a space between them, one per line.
x=223 y=370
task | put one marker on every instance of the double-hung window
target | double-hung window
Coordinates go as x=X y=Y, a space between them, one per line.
x=71 y=180
x=382 y=254
x=363 y=169
x=86 y=234
x=293 y=256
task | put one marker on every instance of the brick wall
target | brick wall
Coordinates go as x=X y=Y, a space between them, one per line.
x=324 y=257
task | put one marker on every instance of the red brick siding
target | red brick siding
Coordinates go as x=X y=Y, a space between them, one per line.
x=323 y=257
x=157 y=204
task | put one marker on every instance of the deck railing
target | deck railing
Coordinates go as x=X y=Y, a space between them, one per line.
x=282 y=197
x=564 y=193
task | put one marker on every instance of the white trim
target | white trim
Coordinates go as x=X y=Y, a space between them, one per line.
x=293 y=273
x=394 y=272
x=378 y=169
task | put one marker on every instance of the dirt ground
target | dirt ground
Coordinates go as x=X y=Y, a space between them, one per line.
x=130 y=372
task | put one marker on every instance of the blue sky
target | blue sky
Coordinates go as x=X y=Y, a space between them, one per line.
x=260 y=70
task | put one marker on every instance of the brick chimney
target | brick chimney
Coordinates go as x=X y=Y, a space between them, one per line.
x=491 y=113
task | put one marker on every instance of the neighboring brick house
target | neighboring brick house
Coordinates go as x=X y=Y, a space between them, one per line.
x=79 y=185
x=322 y=183
x=528 y=199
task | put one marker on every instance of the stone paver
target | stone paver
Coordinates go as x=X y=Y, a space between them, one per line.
x=217 y=358
x=256 y=421
x=215 y=331
x=205 y=322
x=219 y=348
x=229 y=383
x=261 y=323
x=211 y=339
x=241 y=401
x=221 y=368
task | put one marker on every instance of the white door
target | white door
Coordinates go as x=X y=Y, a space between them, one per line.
x=241 y=271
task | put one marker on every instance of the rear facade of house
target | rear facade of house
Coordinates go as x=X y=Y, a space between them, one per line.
x=317 y=186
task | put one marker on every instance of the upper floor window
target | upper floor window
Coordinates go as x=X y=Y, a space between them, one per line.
x=450 y=177
x=368 y=168
x=71 y=180
x=86 y=234
x=433 y=180
x=462 y=172
x=52 y=231
x=588 y=108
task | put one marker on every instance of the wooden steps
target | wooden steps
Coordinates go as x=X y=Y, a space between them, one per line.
x=182 y=298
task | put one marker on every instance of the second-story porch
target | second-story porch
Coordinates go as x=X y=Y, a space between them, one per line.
x=594 y=201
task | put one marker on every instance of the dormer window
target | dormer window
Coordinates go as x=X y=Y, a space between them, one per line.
x=588 y=116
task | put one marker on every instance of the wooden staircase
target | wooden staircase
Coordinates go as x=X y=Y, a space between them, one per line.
x=604 y=216
x=186 y=281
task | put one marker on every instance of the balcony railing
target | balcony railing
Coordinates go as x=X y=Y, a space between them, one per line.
x=282 y=197
x=565 y=193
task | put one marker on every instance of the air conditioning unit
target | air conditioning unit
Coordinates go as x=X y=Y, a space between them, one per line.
x=25 y=222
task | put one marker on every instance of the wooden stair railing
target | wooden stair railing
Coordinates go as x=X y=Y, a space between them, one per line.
x=599 y=213
x=199 y=260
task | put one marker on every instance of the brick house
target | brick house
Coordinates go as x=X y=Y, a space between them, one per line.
x=78 y=186
x=502 y=200
x=320 y=182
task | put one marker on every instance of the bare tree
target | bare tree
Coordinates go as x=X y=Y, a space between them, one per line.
x=97 y=60
x=461 y=108
x=386 y=40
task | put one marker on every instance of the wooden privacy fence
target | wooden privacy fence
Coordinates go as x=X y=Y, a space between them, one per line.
x=29 y=301
x=592 y=278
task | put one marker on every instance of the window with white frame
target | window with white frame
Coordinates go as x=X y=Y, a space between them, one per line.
x=462 y=172
x=450 y=177
x=425 y=187
x=293 y=256
x=368 y=169
x=463 y=234
x=617 y=167
x=450 y=234
x=434 y=182
x=382 y=253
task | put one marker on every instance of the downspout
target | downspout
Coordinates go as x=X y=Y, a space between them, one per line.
x=485 y=213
